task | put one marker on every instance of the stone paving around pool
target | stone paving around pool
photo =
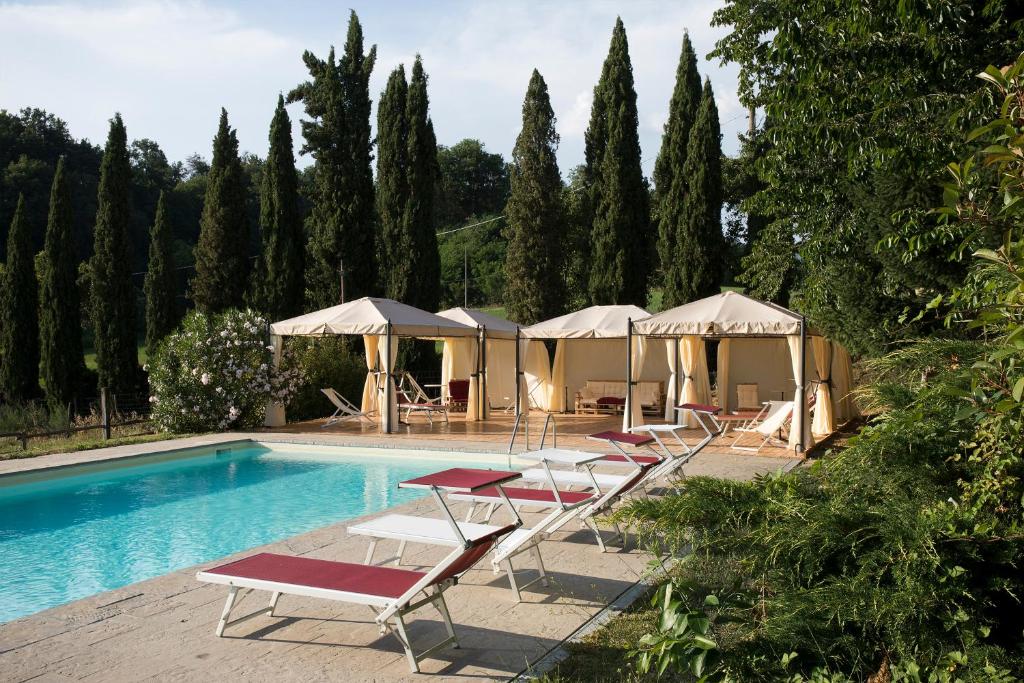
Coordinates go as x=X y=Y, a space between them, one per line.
x=163 y=628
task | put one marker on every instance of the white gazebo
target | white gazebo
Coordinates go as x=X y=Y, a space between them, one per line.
x=381 y=323
x=589 y=345
x=768 y=330
x=491 y=361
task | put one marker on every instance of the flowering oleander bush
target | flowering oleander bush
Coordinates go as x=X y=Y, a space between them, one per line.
x=216 y=372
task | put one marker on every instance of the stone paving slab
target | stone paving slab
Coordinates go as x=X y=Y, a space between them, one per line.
x=163 y=628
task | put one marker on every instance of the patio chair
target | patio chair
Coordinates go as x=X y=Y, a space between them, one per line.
x=427 y=408
x=458 y=394
x=747 y=397
x=391 y=593
x=772 y=424
x=345 y=409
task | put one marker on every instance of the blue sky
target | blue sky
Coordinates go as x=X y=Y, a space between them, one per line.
x=168 y=67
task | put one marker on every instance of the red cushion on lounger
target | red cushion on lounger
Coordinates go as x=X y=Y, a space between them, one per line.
x=623 y=437
x=639 y=459
x=700 y=407
x=539 y=495
x=339 y=576
x=461 y=479
x=611 y=401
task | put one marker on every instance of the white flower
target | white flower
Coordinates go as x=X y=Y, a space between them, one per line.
x=205 y=379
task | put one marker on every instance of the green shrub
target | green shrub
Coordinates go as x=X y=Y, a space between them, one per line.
x=335 y=362
x=216 y=372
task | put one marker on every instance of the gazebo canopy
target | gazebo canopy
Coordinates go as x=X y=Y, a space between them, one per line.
x=722 y=315
x=497 y=328
x=596 y=322
x=370 y=316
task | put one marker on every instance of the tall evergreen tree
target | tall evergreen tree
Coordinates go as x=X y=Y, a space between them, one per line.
x=699 y=243
x=533 y=268
x=419 y=215
x=392 y=187
x=341 y=224
x=281 y=286
x=60 y=324
x=221 y=258
x=161 y=306
x=19 y=321
x=669 y=180
x=619 y=201
x=113 y=295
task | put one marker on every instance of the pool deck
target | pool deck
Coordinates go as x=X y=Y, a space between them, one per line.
x=163 y=628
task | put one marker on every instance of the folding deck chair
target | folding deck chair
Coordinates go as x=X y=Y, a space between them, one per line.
x=427 y=408
x=768 y=427
x=345 y=409
x=390 y=593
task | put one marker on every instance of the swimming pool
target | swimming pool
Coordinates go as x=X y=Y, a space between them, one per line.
x=75 y=533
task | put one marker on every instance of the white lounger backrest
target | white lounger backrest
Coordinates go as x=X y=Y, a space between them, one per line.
x=775 y=420
x=337 y=399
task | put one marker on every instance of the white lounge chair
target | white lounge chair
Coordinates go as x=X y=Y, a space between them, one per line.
x=345 y=409
x=768 y=427
x=391 y=593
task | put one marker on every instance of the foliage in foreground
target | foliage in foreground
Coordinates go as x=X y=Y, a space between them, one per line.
x=216 y=372
x=900 y=557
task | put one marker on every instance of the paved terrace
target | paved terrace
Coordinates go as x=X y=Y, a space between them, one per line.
x=163 y=628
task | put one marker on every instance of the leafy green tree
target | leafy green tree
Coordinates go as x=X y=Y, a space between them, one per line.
x=473 y=182
x=482 y=252
x=159 y=285
x=534 y=284
x=622 y=251
x=670 y=184
x=221 y=255
x=392 y=187
x=341 y=223
x=60 y=324
x=861 y=125
x=699 y=251
x=113 y=294
x=419 y=215
x=19 y=315
x=578 y=217
x=280 y=288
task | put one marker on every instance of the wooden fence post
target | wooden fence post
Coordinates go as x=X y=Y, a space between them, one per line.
x=104 y=413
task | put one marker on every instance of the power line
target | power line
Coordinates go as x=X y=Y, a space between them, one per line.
x=467 y=227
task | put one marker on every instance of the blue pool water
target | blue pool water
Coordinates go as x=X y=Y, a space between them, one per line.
x=70 y=537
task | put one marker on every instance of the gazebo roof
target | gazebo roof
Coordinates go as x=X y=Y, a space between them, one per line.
x=595 y=322
x=497 y=328
x=371 y=315
x=725 y=314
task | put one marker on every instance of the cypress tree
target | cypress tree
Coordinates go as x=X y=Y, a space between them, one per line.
x=60 y=324
x=113 y=296
x=669 y=179
x=221 y=263
x=392 y=187
x=533 y=266
x=341 y=223
x=619 y=197
x=161 y=306
x=419 y=211
x=281 y=287
x=700 y=246
x=19 y=321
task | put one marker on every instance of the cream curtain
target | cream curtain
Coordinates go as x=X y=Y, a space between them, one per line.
x=275 y=416
x=696 y=384
x=524 y=389
x=501 y=362
x=556 y=398
x=473 y=400
x=671 y=391
x=842 y=385
x=369 y=403
x=633 y=412
x=722 y=379
x=823 y=422
x=801 y=415
x=538 y=373
x=389 y=419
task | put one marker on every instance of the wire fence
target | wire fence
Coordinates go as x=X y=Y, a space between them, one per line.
x=106 y=413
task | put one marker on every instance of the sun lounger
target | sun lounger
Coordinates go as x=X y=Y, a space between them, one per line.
x=427 y=408
x=345 y=409
x=391 y=593
x=767 y=428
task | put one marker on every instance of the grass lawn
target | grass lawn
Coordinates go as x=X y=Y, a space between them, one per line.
x=90 y=357
x=10 y=449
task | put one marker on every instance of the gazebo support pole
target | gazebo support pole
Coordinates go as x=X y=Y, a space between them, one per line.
x=388 y=378
x=802 y=407
x=678 y=388
x=518 y=411
x=482 y=412
x=629 y=372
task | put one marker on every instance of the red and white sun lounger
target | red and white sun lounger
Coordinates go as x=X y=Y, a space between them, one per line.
x=391 y=593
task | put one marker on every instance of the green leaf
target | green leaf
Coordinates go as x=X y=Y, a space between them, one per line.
x=1018 y=389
